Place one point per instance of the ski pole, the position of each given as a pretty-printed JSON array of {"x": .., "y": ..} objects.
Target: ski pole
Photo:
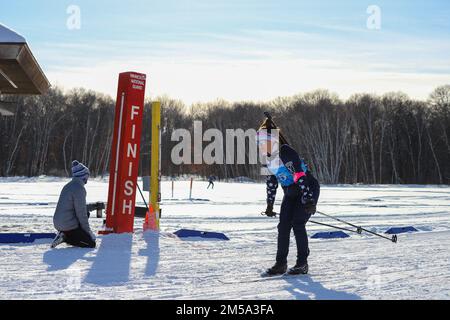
[
  {"x": 331, "y": 226},
  {"x": 360, "y": 229},
  {"x": 320, "y": 223},
  {"x": 143, "y": 198}
]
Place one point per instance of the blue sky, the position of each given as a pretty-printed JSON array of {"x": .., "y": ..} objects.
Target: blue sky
[{"x": 239, "y": 50}]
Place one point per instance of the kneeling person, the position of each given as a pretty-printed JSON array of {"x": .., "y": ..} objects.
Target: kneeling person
[{"x": 71, "y": 217}]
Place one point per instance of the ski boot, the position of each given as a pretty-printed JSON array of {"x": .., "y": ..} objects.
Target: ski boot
[
  {"x": 277, "y": 269},
  {"x": 299, "y": 268},
  {"x": 58, "y": 240}
]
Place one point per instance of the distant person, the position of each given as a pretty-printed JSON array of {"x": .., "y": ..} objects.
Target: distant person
[
  {"x": 301, "y": 193},
  {"x": 71, "y": 218},
  {"x": 211, "y": 180}
]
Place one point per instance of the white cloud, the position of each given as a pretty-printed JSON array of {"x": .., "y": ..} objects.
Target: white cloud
[
  {"x": 200, "y": 80},
  {"x": 255, "y": 64}
]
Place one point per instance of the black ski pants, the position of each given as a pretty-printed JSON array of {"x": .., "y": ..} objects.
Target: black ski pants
[
  {"x": 292, "y": 217},
  {"x": 79, "y": 238}
]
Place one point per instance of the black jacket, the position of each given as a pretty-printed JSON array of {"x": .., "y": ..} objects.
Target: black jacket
[{"x": 293, "y": 174}]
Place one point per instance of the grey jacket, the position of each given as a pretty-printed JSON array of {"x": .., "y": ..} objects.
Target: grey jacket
[{"x": 71, "y": 211}]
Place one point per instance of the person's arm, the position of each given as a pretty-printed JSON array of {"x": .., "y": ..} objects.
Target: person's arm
[
  {"x": 271, "y": 190},
  {"x": 314, "y": 188},
  {"x": 79, "y": 200},
  {"x": 311, "y": 197}
]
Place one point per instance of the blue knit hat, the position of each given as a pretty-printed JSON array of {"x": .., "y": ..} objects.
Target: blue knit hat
[{"x": 79, "y": 170}]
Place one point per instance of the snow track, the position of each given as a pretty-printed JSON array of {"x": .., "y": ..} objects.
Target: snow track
[{"x": 151, "y": 266}]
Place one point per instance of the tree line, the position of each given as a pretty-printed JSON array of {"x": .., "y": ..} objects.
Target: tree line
[{"x": 365, "y": 139}]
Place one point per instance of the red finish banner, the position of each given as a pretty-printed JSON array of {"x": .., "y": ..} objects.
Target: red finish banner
[{"x": 125, "y": 152}]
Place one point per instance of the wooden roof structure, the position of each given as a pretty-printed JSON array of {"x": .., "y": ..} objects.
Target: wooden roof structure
[{"x": 20, "y": 73}]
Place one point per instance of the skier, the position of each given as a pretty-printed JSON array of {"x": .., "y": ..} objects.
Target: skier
[
  {"x": 211, "y": 180},
  {"x": 301, "y": 194},
  {"x": 71, "y": 217}
]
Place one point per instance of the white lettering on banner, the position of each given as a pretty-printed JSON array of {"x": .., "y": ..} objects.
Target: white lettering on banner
[
  {"x": 129, "y": 188},
  {"x": 131, "y": 150},
  {"x": 127, "y": 206},
  {"x": 137, "y": 82},
  {"x": 133, "y": 131},
  {"x": 137, "y": 76},
  {"x": 134, "y": 112},
  {"x": 130, "y": 169}
]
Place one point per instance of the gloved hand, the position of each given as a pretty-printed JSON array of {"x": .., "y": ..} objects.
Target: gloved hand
[
  {"x": 269, "y": 211},
  {"x": 91, "y": 207},
  {"x": 310, "y": 206},
  {"x": 307, "y": 197},
  {"x": 309, "y": 203}
]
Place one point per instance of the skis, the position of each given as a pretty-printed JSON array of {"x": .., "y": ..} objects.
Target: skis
[{"x": 263, "y": 277}]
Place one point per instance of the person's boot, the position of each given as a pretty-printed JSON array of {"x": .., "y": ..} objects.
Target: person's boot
[
  {"x": 299, "y": 268},
  {"x": 277, "y": 269},
  {"x": 58, "y": 240}
]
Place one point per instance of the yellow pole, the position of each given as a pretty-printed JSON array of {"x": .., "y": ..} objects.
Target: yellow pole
[{"x": 155, "y": 175}]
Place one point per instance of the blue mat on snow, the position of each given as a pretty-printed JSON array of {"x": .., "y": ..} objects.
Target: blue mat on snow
[
  {"x": 330, "y": 235},
  {"x": 185, "y": 233},
  {"x": 24, "y": 237},
  {"x": 401, "y": 230}
]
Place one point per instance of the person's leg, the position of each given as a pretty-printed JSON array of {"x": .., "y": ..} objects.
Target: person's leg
[
  {"x": 79, "y": 238},
  {"x": 301, "y": 237},
  {"x": 284, "y": 230},
  {"x": 58, "y": 240}
]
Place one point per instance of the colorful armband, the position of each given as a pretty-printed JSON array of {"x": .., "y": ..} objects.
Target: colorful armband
[{"x": 298, "y": 176}]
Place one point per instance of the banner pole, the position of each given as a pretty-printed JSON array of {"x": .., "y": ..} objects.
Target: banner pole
[{"x": 155, "y": 183}]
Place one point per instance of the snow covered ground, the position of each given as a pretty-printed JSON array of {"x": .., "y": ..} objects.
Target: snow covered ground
[{"x": 152, "y": 266}]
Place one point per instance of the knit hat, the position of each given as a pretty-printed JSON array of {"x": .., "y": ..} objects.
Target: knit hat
[
  {"x": 267, "y": 130},
  {"x": 79, "y": 170}
]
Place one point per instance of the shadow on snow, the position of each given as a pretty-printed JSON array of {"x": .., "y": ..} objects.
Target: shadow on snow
[
  {"x": 152, "y": 252},
  {"x": 61, "y": 259},
  {"x": 112, "y": 262},
  {"x": 304, "y": 288}
]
